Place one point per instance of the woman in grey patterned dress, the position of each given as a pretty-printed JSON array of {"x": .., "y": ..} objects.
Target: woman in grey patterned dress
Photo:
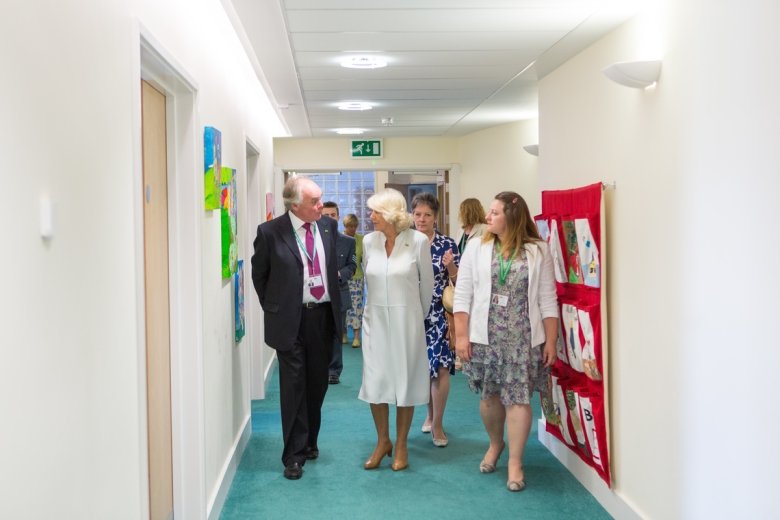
[{"x": 506, "y": 326}]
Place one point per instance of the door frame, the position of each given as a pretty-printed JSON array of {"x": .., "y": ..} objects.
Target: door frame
[{"x": 157, "y": 66}]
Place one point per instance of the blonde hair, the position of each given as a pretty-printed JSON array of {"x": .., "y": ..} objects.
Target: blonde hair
[
  {"x": 391, "y": 204},
  {"x": 350, "y": 220},
  {"x": 471, "y": 212}
]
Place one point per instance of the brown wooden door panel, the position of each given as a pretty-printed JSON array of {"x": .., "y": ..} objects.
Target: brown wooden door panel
[{"x": 158, "y": 351}]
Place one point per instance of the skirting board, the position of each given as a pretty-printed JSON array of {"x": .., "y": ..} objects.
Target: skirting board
[
  {"x": 217, "y": 500},
  {"x": 268, "y": 372},
  {"x": 609, "y": 500}
]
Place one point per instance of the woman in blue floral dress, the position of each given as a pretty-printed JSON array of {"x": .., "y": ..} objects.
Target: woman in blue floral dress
[
  {"x": 506, "y": 326},
  {"x": 441, "y": 358}
]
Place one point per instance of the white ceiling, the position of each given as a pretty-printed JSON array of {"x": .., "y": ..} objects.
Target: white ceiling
[{"x": 454, "y": 66}]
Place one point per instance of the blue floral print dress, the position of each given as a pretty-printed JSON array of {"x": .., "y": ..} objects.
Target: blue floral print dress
[
  {"x": 436, "y": 329},
  {"x": 510, "y": 367}
]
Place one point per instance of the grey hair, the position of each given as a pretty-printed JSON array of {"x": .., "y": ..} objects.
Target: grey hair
[
  {"x": 292, "y": 193},
  {"x": 391, "y": 204}
]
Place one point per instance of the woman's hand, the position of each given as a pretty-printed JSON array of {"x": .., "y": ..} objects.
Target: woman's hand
[
  {"x": 463, "y": 348},
  {"x": 448, "y": 263},
  {"x": 550, "y": 353},
  {"x": 447, "y": 258}
]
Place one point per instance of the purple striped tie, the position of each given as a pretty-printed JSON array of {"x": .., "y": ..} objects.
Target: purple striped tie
[{"x": 314, "y": 262}]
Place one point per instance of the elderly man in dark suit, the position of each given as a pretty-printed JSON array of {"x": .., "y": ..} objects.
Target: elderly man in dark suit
[
  {"x": 346, "y": 265},
  {"x": 294, "y": 274}
]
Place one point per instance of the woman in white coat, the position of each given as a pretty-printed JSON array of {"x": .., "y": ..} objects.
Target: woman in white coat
[
  {"x": 398, "y": 270},
  {"x": 506, "y": 326}
]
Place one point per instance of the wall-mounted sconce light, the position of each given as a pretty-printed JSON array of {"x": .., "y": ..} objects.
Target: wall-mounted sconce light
[
  {"x": 636, "y": 74},
  {"x": 533, "y": 149}
]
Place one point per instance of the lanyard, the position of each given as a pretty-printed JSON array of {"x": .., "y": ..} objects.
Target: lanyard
[
  {"x": 504, "y": 266},
  {"x": 305, "y": 252}
]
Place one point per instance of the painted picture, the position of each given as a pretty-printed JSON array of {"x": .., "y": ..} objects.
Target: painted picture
[
  {"x": 563, "y": 412},
  {"x": 229, "y": 222},
  {"x": 269, "y": 206},
  {"x": 212, "y": 165},
  {"x": 544, "y": 229},
  {"x": 557, "y": 252},
  {"x": 589, "y": 253},
  {"x": 590, "y": 428},
  {"x": 560, "y": 345},
  {"x": 571, "y": 328},
  {"x": 238, "y": 284},
  {"x": 572, "y": 252},
  {"x": 589, "y": 365},
  {"x": 573, "y": 402}
]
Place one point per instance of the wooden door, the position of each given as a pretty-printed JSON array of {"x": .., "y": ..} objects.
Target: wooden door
[
  {"x": 443, "y": 194},
  {"x": 158, "y": 350}
]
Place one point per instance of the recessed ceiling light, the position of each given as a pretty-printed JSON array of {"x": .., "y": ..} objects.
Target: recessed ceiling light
[
  {"x": 349, "y": 131},
  {"x": 355, "y": 105},
  {"x": 363, "y": 62}
]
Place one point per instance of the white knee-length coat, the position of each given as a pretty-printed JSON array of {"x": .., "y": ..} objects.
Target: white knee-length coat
[{"x": 399, "y": 289}]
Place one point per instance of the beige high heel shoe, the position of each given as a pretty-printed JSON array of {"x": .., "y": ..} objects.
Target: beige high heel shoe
[
  {"x": 487, "y": 467},
  {"x": 373, "y": 463},
  {"x": 400, "y": 465},
  {"x": 515, "y": 485}
]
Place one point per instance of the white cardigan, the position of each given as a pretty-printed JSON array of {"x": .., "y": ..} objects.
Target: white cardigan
[
  {"x": 472, "y": 292},
  {"x": 477, "y": 230}
]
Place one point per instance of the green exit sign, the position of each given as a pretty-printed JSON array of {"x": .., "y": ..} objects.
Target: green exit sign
[{"x": 366, "y": 148}]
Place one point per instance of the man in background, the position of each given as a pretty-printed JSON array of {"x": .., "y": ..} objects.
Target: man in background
[{"x": 346, "y": 265}]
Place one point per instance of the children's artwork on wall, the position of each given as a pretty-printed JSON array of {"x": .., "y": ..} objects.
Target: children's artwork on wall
[
  {"x": 589, "y": 253},
  {"x": 574, "y": 273},
  {"x": 238, "y": 280},
  {"x": 212, "y": 166},
  {"x": 589, "y": 361},
  {"x": 563, "y": 412},
  {"x": 557, "y": 252},
  {"x": 588, "y": 419},
  {"x": 573, "y": 402},
  {"x": 575, "y": 407},
  {"x": 544, "y": 229},
  {"x": 269, "y": 206},
  {"x": 571, "y": 327},
  {"x": 560, "y": 344},
  {"x": 229, "y": 222}
]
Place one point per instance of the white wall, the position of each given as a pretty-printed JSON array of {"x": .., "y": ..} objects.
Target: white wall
[
  {"x": 493, "y": 161},
  {"x": 71, "y": 364},
  {"x": 691, "y": 253}
]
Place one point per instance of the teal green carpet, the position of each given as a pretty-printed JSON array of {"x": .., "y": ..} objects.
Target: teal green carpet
[{"x": 440, "y": 483}]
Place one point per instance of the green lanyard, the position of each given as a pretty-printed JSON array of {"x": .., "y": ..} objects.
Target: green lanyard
[
  {"x": 504, "y": 266},
  {"x": 303, "y": 247}
]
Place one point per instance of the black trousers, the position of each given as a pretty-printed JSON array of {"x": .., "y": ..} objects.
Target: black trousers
[{"x": 303, "y": 382}]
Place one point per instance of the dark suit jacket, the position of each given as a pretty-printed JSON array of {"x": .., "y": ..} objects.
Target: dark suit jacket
[
  {"x": 346, "y": 265},
  {"x": 277, "y": 274}
]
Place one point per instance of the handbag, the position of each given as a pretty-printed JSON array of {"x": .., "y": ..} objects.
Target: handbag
[{"x": 448, "y": 297}]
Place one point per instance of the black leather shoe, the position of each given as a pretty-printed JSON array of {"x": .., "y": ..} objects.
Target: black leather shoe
[
  {"x": 312, "y": 453},
  {"x": 333, "y": 379},
  {"x": 293, "y": 471}
]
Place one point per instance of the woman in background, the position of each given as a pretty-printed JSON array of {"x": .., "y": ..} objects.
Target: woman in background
[
  {"x": 399, "y": 283},
  {"x": 506, "y": 326},
  {"x": 355, "y": 311},
  {"x": 472, "y": 221},
  {"x": 441, "y": 359}
]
